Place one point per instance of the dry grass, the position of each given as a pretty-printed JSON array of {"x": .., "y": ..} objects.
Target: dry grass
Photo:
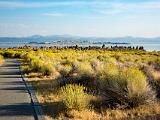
[
  {"x": 87, "y": 68},
  {"x": 145, "y": 112},
  {"x": 156, "y": 75},
  {"x": 54, "y": 108}
]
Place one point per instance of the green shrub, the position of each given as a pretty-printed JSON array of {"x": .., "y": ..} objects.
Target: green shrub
[
  {"x": 83, "y": 68},
  {"x": 86, "y": 75},
  {"x": 108, "y": 71},
  {"x": 111, "y": 69},
  {"x": 65, "y": 70},
  {"x": 28, "y": 57},
  {"x": 12, "y": 54},
  {"x": 136, "y": 81},
  {"x": 107, "y": 59},
  {"x": 47, "y": 69},
  {"x": 153, "y": 78},
  {"x": 1, "y": 59},
  {"x": 157, "y": 61},
  {"x": 25, "y": 68},
  {"x": 74, "y": 97},
  {"x": 36, "y": 65},
  {"x": 128, "y": 89}
]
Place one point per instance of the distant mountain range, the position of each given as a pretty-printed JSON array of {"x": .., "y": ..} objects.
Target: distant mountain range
[{"x": 39, "y": 38}]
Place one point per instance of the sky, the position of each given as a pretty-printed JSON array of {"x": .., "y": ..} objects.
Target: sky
[{"x": 101, "y": 18}]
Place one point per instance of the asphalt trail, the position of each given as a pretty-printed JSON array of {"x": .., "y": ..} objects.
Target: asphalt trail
[{"x": 15, "y": 102}]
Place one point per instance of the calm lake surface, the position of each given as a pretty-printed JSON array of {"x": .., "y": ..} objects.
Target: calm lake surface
[{"x": 149, "y": 46}]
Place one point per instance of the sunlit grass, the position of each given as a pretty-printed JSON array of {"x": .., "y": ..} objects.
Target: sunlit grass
[
  {"x": 118, "y": 84},
  {"x": 1, "y": 59},
  {"x": 74, "y": 97}
]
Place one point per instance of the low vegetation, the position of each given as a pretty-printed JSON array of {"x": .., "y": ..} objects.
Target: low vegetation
[
  {"x": 1, "y": 59},
  {"x": 93, "y": 83},
  {"x": 74, "y": 97},
  {"x": 127, "y": 89}
]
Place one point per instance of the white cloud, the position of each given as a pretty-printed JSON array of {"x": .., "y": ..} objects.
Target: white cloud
[
  {"x": 109, "y": 12},
  {"x": 55, "y": 14},
  {"x": 120, "y": 7},
  {"x": 9, "y": 4},
  {"x": 143, "y": 5},
  {"x": 101, "y": 6},
  {"x": 23, "y": 29}
]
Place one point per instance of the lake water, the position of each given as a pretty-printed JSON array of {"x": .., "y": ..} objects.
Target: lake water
[{"x": 149, "y": 46}]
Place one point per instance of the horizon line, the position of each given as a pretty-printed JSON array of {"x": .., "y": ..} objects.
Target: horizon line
[{"x": 78, "y": 36}]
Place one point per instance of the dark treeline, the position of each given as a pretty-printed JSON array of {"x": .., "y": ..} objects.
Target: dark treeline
[{"x": 76, "y": 47}]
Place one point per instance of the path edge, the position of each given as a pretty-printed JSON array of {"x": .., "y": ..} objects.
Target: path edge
[{"x": 39, "y": 114}]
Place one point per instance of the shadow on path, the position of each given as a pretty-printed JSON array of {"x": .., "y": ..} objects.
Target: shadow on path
[
  {"x": 15, "y": 101},
  {"x": 23, "y": 109}
]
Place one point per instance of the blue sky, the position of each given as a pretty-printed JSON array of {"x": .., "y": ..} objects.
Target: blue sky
[{"x": 102, "y": 18}]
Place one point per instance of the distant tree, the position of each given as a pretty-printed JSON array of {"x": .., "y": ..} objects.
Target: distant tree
[
  {"x": 103, "y": 46},
  {"x": 76, "y": 46}
]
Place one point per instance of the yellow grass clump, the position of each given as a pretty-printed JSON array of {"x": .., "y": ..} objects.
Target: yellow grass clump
[
  {"x": 74, "y": 97},
  {"x": 66, "y": 79},
  {"x": 1, "y": 59}
]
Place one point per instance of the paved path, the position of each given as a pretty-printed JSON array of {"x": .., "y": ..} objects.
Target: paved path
[{"x": 15, "y": 102}]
